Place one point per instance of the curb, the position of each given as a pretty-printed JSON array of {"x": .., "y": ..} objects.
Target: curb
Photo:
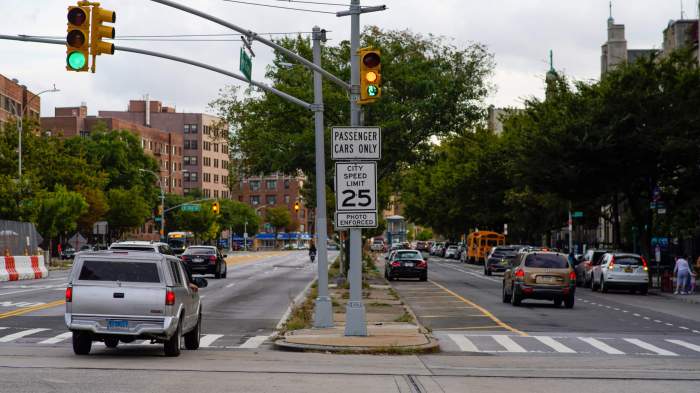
[
  {"x": 431, "y": 347},
  {"x": 682, "y": 298}
]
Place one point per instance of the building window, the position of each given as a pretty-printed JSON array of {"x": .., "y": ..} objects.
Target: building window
[
  {"x": 287, "y": 199},
  {"x": 216, "y": 163},
  {"x": 286, "y": 184},
  {"x": 271, "y": 184},
  {"x": 255, "y": 200},
  {"x": 216, "y": 178},
  {"x": 193, "y": 176},
  {"x": 271, "y": 200},
  {"x": 224, "y": 148},
  {"x": 216, "y": 148},
  {"x": 186, "y": 190},
  {"x": 255, "y": 185},
  {"x": 216, "y": 193},
  {"x": 186, "y": 129},
  {"x": 193, "y": 128}
]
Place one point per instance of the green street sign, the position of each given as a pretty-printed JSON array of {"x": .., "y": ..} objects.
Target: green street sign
[
  {"x": 246, "y": 65},
  {"x": 577, "y": 215},
  {"x": 191, "y": 208}
]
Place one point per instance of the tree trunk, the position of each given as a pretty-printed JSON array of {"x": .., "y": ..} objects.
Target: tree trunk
[{"x": 616, "y": 221}]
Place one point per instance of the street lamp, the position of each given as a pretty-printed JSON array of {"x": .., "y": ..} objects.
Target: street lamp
[
  {"x": 20, "y": 125},
  {"x": 162, "y": 201}
]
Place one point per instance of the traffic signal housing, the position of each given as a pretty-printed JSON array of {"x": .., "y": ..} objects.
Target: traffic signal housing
[
  {"x": 78, "y": 39},
  {"x": 100, "y": 32},
  {"x": 297, "y": 206},
  {"x": 215, "y": 207},
  {"x": 370, "y": 75}
]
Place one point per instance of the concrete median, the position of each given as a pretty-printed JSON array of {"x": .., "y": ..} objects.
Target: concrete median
[{"x": 14, "y": 268}]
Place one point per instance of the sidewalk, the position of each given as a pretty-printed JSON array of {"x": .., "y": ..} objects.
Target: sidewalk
[
  {"x": 691, "y": 299},
  {"x": 391, "y": 325}
]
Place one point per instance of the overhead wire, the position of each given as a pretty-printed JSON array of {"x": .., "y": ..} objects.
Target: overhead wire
[
  {"x": 314, "y": 2},
  {"x": 280, "y": 7}
]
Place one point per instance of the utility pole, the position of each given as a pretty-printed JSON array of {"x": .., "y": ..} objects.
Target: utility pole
[{"x": 323, "y": 316}]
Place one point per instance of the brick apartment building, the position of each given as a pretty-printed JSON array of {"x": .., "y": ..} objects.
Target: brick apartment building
[
  {"x": 165, "y": 147},
  {"x": 17, "y": 100},
  {"x": 205, "y": 142}
]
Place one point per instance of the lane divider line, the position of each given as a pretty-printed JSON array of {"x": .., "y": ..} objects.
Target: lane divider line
[
  {"x": 483, "y": 310},
  {"x": 26, "y": 310}
]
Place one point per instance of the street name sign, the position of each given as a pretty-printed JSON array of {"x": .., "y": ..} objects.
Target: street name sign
[
  {"x": 191, "y": 208},
  {"x": 356, "y": 143},
  {"x": 344, "y": 220},
  {"x": 246, "y": 64},
  {"x": 356, "y": 186}
]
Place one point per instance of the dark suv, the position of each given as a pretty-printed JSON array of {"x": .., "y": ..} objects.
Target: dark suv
[{"x": 500, "y": 260}]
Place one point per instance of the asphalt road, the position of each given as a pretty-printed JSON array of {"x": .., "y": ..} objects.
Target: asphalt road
[
  {"x": 464, "y": 309},
  {"x": 241, "y": 311}
]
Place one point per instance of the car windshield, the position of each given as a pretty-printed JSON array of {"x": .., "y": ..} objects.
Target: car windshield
[
  {"x": 199, "y": 251},
  {"x": 119, "y": 271},
  {"x": 546, "y": 261},
  {"x": 628, "y": 260},
  {"x": 402, "y": 255}
]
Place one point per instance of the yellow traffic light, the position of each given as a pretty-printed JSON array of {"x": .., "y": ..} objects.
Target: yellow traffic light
[
  {"x": 100, "y": 16},
  {"x": 216, "y": 208},
  {"x": 370, "y": 75},
  {"x": 78, "y": 39},
  {"x": 297, "y": 206}
]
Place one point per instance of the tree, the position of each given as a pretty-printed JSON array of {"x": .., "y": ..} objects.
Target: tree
[
  {"x": 278, "y": 217},
  {"x": 235, "y": 214},
  {"x": 127, "y": 209},
  {"x": 58, "y": 211},
  {"x": 424, "y": 235}
]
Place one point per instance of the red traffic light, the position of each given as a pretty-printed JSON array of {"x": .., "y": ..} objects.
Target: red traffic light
[
  {"x": 76, "y": 16},
  {"x": 371, "y": 60},
  {"x": 76, "y": 38}
]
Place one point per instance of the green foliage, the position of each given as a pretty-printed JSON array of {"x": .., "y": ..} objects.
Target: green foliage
[
  {"x": 234, "y": 215},
  {"x": 424, "y": 235},
  {"x": 57, "y": 212},
  {"x": 127, "y": 209},
  {"x": 279, "y": 217}
]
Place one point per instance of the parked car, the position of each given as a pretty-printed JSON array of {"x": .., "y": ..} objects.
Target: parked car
[
  {"x": 140, "y": 245},
  {"x": 422, "y": 246},
  {"x": 205, "y": 260},
  {"x": 623, "y": 271},
  {"x": 122, "y": 296},
  {"x": 438, "y": 249},
  {"x": 406, "y": 264},
  {"x": 584, "y": 269},
  {"x": 68, "y": 253},
  {"x": 540, "y": 275},
  {"x": 500, "y": 259},
  {"x": 378, "y": 245},
  {"x": 451, "y": 252}
]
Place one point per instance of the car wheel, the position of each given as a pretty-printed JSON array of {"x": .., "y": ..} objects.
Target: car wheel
[
  {"x": 586, "y": 283},
  {"x": 111, "y": 342},
  {"x": 603, "y": 287},
  {"x": 643, "y": 290},
  {"x": 424, "y": 276},
  {"x": 558, "y": 302},
  {"x": 515, "y": 299},
  {"x": 172, "y": 346},
  {"x": 217, "y": 273},
  {"x": 506, "y": 298},
  {"x": 192, "y": 337},
  {"x": 225, "y": 271},
  {"x": 569, "y": 301},
  {"x": 386, "y": 275},
  {"x": 594, "y": 287},
  {"x": 82, "y": 342}
]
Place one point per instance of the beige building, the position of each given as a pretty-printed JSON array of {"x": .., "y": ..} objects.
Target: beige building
[{"x": 205, "y": 158}]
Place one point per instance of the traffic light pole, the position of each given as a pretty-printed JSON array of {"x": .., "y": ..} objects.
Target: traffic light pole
[{"x": 323, "y": 315}]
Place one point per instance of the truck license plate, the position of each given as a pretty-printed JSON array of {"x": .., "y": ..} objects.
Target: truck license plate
[{"x": 117, "y": 324}]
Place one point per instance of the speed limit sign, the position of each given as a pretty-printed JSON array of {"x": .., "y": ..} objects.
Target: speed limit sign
[{"x": 356, "y": 186}]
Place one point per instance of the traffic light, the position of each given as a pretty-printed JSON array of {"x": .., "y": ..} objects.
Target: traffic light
[
  {"x": 296, "y": 206},
  {"x": 100, "y": 16},
  {"x": 370, "y": 75},
  {"x": 78, "y": 39},
  {"x": 215, "y": 207}
]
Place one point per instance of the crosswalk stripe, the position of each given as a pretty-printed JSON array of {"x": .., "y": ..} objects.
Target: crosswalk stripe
[
  {"x": 649, "y": 347},
  {"x": 554, "y": 344},
  {"x": 57, "y": 339},
  {"x": 509, "y": 344},
  {"x": 3, "y": 327},
  {"x": 464, "y": 344},
  {"x": 601, "y": 346},
  {"x": 208, "y": 339},
  {"x": 254, "y": 342},
  {"x": 23, "y": 333},
  {"x": 685, "y": 344}
]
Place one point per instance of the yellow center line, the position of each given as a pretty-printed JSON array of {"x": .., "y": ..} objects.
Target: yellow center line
[
  {"x": 29, "y": 309},
  {"x": 483, "y": 310}
]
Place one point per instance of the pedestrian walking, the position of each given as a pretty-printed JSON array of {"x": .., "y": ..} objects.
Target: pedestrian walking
[{"x": 682, "y": 272}]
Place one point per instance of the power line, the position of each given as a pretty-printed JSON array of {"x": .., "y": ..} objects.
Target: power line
[
  {"x": 280, "y": 7},
  {"x": 314, "y": 2}
]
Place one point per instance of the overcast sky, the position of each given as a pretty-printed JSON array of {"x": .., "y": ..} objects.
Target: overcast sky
[{"x": 518, "y": 32}]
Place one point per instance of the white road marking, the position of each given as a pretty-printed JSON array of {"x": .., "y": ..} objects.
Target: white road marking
[
  {"x": 685, "y": 344},
  {"x": 696, "y": 331},
  {"x": 230, "y": 285},
  {"x": 23, "y": 333},
  {"x": 668, "y": 324},
  {"x": 657, "y": 321},
  {"x": 554, "y": 344},
  {"x": 616, "y": 309},
  {"x": 636, "y": 315},
  {"x": 57, "y": 339},
  {"x": 647, "y": 318},
  {"x": 625, "y": 311},
  {"x": 3, "y": 327},
  {"x": 208, "y": 339},
  {"x": 464, "y": 344},
  {"x": 649, "y": 347},
  {"x": 509, "y": 344},
  {"x": 683, "y": 327},
  {"x": 601, "y": 346},
  {"x": 254, "y": 342}
]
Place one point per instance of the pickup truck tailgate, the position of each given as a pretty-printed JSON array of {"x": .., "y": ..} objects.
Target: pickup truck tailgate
[{"x": 124, "y": 300}]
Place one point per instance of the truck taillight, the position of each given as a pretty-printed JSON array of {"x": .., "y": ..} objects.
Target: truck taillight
[
  {"x": 520, "y": 273},
  {"x": 69, "y": 294},
  {"x": 169, "y": 297}
]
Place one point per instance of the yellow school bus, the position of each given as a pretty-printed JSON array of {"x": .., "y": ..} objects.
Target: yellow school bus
[{"x": 480, "y": 243}]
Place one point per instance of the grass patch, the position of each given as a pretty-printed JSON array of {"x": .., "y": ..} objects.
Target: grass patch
[
  {"x": 406, "y": 317},
  {"x": 393, "y": 293},
  {"x": 301, "y": 316},
  {"x": 378, "y": 304}
]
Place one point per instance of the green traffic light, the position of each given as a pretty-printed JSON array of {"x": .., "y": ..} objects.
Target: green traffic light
[
  {"x": 77, "y": 60},
  {"x": 372, "y": 90}
]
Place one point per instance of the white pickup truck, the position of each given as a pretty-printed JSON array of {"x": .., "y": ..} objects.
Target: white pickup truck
[{"x": 121, "y": 296}]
